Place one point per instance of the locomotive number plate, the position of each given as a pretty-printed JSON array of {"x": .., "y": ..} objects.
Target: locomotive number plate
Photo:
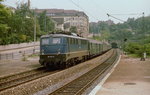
[{"x": 50, "y": 56}]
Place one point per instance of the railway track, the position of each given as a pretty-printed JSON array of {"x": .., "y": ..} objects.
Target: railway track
[
  {"x": 35, "y": 81},
  {"x": 79, "y": 85},
  {"x": 24, "y": 77}
]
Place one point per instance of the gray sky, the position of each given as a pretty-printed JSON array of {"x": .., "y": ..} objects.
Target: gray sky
[{"x": 95, "y": 9}]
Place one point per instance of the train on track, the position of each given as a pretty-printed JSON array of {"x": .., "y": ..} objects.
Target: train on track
[{"x": 63, "y": 50}]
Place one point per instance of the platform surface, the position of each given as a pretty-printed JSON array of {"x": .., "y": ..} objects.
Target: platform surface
[
  {"x": 130, "y": 77},
  {"x": 10, "y": 67}
]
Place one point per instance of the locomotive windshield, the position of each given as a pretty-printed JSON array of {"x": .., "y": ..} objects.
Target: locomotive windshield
[
  {"x": 56, "y": 41},
  {"x": 49, "y": 41},
  {"x": 52, "y": 45},
  {"x": 45, "y": 41}
]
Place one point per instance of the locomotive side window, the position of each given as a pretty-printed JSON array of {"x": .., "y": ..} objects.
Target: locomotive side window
[
  {"x": 45, "y": 41},
  {"x": 56, "y": 40}
]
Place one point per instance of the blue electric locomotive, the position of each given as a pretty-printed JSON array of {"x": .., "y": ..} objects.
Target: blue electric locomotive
[{"x": 62, "y": 50}]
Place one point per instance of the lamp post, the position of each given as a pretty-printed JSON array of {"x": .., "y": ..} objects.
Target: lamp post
[
  {"x": 34, "y": 28},
  {"x": 34, "y": 32}
]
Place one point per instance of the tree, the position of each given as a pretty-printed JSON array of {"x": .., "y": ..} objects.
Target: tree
[
  {"x": 73, "y": 29},
  {"x": 22, "y": 24},
  {"x": 46, "y": 23},
  {"x": 18, "y": 26},
  {"x": 5, "y": 14}
]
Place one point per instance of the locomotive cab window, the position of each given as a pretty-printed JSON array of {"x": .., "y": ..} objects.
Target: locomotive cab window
[
  {"x": 56, "y": 40},
  {"x": 45, "y": 41}
]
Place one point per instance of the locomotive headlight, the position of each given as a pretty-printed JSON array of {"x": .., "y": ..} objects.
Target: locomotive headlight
[
  {"x": 58, "y": 51},
  {"x": 42, "y": 51}
]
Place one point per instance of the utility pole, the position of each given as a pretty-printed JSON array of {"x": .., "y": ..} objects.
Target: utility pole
[
  {"x": 34, "y": 27},
  {"x": 143, "y": 58},
  {"x": 45, "y": 24},
  {"x": 143, "y": 24},
  {"x": 29, "y": 4},
  {"x": 34, "y": 31}
]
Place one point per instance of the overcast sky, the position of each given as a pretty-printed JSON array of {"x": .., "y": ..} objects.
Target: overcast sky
[{"x": 95, "y": 9}]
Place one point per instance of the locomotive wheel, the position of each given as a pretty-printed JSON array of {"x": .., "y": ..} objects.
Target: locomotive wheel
[
  {"x": 73, "y": 62},
  {"x": 67, "y": 64},
  {"x": 49, "y": 67},
  {"x": 64, "y": 65}
]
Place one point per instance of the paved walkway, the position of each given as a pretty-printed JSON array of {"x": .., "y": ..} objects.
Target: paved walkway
[
  {"x": 9, "y": 67},
  {"x": 130, "y": 77}
]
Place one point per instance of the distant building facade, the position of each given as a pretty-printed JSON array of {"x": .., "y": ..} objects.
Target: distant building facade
[
  {"x": 65, "y": 19},
  {"x": 108, "y": 22}
]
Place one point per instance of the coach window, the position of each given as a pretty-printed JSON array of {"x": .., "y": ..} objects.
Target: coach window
[
  {"x": 79, "y": 42},
  {"x": 70, "y": 40},
  {"x": 73, "y": 41},
  {"x": 76, "y": 41},
  {"x": 83, "y": 42}
]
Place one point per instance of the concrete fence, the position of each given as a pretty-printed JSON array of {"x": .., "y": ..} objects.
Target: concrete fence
[
  {"x": 17, "y": 46},
  {"x": 18, "y": 51}
]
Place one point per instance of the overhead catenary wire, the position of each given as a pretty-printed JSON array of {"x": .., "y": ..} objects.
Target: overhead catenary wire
[
  {"x": 77, "y": 5},
  {"x": 115, "y": 17},
  {"x": 129, "y": 14},
  {"x": 123, "y": 14}
]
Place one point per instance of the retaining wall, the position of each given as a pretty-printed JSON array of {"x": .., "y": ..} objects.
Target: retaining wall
[
  {"x": 16, "y": 46},
  {"x": 18, "y": 51}
]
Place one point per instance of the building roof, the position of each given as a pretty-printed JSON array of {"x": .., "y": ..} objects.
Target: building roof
[
  {"x": 59, "y": 20},
  {"x": 61, "y": 12}
]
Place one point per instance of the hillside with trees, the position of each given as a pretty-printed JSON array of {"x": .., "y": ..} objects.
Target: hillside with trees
[{"x": 133, "y": 36}]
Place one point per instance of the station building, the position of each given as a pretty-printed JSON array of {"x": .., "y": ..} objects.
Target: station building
[{"x": 65, "y": 19}]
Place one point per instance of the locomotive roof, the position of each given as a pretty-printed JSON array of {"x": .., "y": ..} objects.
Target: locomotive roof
[{"x": 62, "y": 35}]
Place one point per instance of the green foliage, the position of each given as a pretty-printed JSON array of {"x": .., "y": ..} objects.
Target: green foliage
[
  {"x": 138, "y": 49},
  {"x": 98, "y": 27},
  {"x": 147, "y": 48},
  {"x": 132, "y": 47},
  {"x": 133, "y": 35},
  {"x": 46, "y": 24},
  {"x": 73, "y": 29},
  {"x": 5, "y": 13},
  {"x": 22, "y": 24},
  {"x": 18, "y": 26},
  {"x": 104, "y": 35},
  {"x": 141, "y": 36}
]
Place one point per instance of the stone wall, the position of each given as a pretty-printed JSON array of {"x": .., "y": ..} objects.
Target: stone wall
[
  {"x": 18, "y": 51},
  {"x": 16, "y": 46}
]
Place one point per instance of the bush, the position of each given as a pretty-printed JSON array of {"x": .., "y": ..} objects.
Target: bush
[{"x": 138, "y": 49}]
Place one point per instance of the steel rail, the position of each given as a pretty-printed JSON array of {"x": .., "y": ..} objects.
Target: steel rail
[
  {"x": 79, "y": 85},
  {"x": 24, "y": 77}
]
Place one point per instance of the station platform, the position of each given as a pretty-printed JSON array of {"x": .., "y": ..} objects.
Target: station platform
[
  {"x": 10, "y": 67},
  {"x": 130, "y": 77}
]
